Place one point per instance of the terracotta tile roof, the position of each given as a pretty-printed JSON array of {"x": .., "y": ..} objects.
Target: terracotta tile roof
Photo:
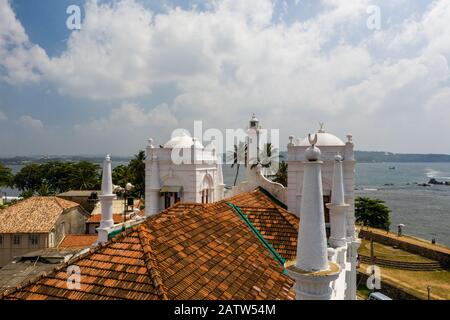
[
  {"x": 277, "y": 225},
  {"x": 33, "y": 215},
  {"x": 78, "y": 241},
  {"x": 189, "y": 251}
]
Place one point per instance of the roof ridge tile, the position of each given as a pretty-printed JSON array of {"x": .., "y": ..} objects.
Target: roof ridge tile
[{"x": 152, "y": 263}]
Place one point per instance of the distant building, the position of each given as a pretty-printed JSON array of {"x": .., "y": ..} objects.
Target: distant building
[
  {"x": 118, "y": 208},
  {"x": 31, "y": 265},
  {"x": 86, "y": 198},
  {"x": 197, "y": 178},
  {"x": 37, "y": 223}
]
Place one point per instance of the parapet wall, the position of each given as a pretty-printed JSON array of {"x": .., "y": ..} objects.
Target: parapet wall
[{"x": 409, "y": 244}]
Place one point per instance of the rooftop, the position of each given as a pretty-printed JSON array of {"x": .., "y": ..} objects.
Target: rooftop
[
  {"x": 33, "y": 215},
  {"x": 71, "y": 241},
  {"x": 189, "y": 251},
  {"x": 26, "y": 267},
  {"x": 78, "y": 193}
]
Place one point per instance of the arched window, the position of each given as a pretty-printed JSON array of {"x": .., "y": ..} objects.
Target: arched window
[{"x": 207, "y": 189}]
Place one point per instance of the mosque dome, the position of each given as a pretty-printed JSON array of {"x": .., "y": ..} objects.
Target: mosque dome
[
  {"x": 182, "y": 141},
  {"x": 324, "y": 139}
]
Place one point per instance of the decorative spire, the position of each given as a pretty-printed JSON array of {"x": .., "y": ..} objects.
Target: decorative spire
[
  {"x": 321, "y": 129},
  {"x": 312, "y": 153},
  {"x": 291, "y": 141},
  {"x": 152, "y": 206},
  {"x": 106, "y": 202},
  {"x": 150, "y": 143},
  {"x": 338, "y": 207},
  {"x": 312, "y": 271}
]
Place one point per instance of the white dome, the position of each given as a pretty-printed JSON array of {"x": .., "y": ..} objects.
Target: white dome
[
  {"x": 182, "y": 141},
  {"x": 323, "y": 140}
]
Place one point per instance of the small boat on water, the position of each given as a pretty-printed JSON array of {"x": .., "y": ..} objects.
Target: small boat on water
[{"x": 391, "y": 168}]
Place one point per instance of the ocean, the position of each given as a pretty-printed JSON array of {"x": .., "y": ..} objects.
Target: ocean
[{"x": 425, "y": 211}]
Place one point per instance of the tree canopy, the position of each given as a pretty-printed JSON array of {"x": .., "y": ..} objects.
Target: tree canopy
[
  {"x": 56, "y": 177},
  {"x": 133, "y": 173},
  {"x": 372, "y": 212},
  {"x": 6, "y": 176}
]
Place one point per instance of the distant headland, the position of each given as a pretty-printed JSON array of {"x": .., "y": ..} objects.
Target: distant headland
[
  {"x": 360, "y": 156},
  {"x": 380, "y": 156}
]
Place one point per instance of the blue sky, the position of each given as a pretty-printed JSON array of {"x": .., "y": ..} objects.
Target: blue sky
[{"x": 140, "y": 69}]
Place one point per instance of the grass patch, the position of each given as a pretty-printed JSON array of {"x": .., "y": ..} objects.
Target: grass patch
[
  {"x": 386, "y": 252},
  {"x": 416, "y": 282}
]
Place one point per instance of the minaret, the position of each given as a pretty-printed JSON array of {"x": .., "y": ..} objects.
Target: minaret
[
  {"x": 220, "y": 185},
  {"x": 152, "y": 205},
  {"x": 338, "y": 207},
  {"x": 106, "y": 201},
  {"x": 312, "y": 271}
]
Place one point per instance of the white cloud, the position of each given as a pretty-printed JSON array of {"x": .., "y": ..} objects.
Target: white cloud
[
  {"x": 129, "y": 126},
  {"x": 21, "y": 59},
  {"x": 29, "y": 122},
  {"x": 232, "y": 60}
]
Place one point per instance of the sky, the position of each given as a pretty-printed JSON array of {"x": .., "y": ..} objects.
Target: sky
[{"x": 136, "y": 69}]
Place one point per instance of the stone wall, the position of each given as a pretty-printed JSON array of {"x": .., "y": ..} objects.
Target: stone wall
[
  {"x": 402, "y": 243},
  {"x": 390, "y": 290}
]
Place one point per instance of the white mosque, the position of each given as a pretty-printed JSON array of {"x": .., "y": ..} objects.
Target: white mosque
[{"x": 320, "y": 192}]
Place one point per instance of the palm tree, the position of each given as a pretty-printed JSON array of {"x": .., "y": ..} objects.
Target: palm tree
[
  {"x": 121, "y": 175},
  {"x": 85, "y": 176},
  {"x": 281, "y": 175},
  {"x": 137, "y": 172},
  {"x": 268, "y": 158},
  {"x": 238, "y": 156},
  {"x": 44, "y": 190}
]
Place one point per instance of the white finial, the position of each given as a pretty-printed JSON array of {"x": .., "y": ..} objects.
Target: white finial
[
  {"x": 108, "y": 158},
  {"x": 312, "y": 153},
  {"x": 150, "y": 143},
  {"x": 338, "y": 157},
  {"x": 349, "y": 138},
  {"x": 321, "y": 129},
  {"x": 313, "y": 141}
]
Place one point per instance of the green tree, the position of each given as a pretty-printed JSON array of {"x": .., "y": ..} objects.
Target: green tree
[
  {"x": 281, "y": 175},
  {"x": 44, "y": 190},
  {"x": 372, "y": 212},
  {"x": 121, "y": 175},
  {"x": 137, "y": 171},
  {"x": 57, "y": 176},
  {"x": 84, "y": 175},
  {"x": 29, "y": 178},
  {"x": 6, "y": 176},
  {"x": 238, "y": 156},
  {"x": 269, "y": 157}
]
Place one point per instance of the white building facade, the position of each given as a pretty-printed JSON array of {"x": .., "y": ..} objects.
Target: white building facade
[
  {"x": 181, "y": 170},
  {"x": 337, "y": 181}
]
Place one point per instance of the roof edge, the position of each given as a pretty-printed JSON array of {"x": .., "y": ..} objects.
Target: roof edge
[
  {"x": 272, "y": 197},
  {"x": 260, "y": 237}
]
